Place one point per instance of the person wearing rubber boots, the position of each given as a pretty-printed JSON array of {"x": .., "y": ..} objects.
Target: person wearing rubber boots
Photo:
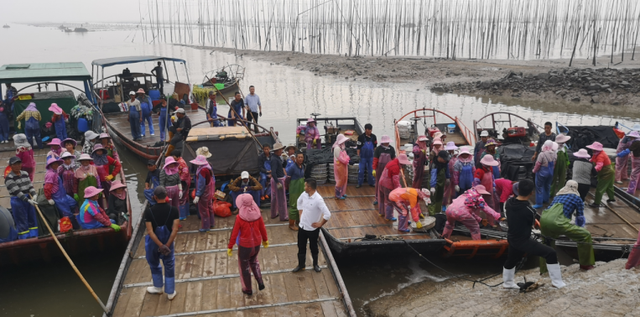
[
  {"x": 440, "y": 177},
  {"x": 390, "y": 180},
  {"x": 466, "y": 210},
  {"x": 606, "y": 174},
  {"x": 185, "y": 177},
  {"x": 59, "y": 120},
  {"x": 408, "y": 197},
  {"x": 162, "y": 223},
  {"x": 313, "y": 215},
  {"x": 420, "y": 159},
  {"x": 634, "y": 148},
  {"x": 543, "y": 169},
  {"x": 521, "y": 218},
  {"x": 367, "y": 142},
  {"x": 382, "y": 155},
  {"x": 463, "y": 171},
  {"x": 340, "y": 166},
  {"x": 146, "y": 106},
  {"x": 135, "y": 116},
  {"x": 205, "y": 189},
  {"x": 278, "y": 194},
  {"x": 54, "y": 190},
  {"x": 555, "y": 221},
  {"x": 23, "y": 199},
  {"x": 562, "y": 163}
]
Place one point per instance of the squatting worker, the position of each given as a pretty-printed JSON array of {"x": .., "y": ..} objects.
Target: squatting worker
[
  {"x": 254, "y": 107},
  {"x": 162, "y": 221},
  {"x": 313, "y": 215},
  {"x": 521, "y": 218},
  {"x": 544, "y": 136},
  {"x": 180, "y": 130}
]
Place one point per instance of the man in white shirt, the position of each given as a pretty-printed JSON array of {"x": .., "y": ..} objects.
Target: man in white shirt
[
  {"x": 313, "y": 215},
  {"x": 254, "y": 107}
]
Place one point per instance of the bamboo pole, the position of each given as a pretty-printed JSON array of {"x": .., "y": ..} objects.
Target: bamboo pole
[{"x": 95, "y": 296}]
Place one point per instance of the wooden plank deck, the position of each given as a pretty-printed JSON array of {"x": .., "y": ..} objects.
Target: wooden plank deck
[
  {"x": 208, "y": 283},
  {"x": 119, "y": 121}
]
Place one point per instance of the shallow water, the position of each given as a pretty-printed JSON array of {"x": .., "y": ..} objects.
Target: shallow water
[{"x": 52, "y": 289}]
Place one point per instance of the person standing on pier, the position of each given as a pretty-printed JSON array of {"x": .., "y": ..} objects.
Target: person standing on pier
[
  {"x": 205, "y": 188},
  {"x": 296, "y": 188},
  {"x": 245, "y": 184},
  {"x": 479, "y": 148},
  {"x": 152, "y": 181},
  {"x": 547, "y": 135},
  {"x": 366, "y": 144},
  {"x": 22, "y": 206},
  {"x": 162, "y": 222},
  {"x": 185, "y": 177},
  {"x": 146, "y": 105},
  {"x": 381, "y": 156},
  {"x": 420, "y": 159},
  {"x": 313, "y": 215},
  {"x": 606, "y": 174},
  {"x": 249, "y": 231},
  {"x": 543, "y": 169},
  {"x": 135, "y": 117},
  {"x": 340, "y": 166},
  {"x": 254, "y": 107},
  {"x": 635, "y": 161},
  {"x": 278, "y": 194},
  {"x": 170, "y": 180},
  {"x": 562, "y": 163}
]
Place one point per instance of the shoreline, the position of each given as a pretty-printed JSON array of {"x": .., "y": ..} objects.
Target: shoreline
[{"x": 494, "y": 79}]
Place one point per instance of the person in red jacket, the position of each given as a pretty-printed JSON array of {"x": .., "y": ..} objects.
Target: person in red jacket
[
  {"x": 504, "y": 189},
  {"x": 390, "y": 180},
  {"x": 249, "y": 231}
]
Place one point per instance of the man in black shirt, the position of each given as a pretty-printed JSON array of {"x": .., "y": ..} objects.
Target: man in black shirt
[
  {"x": 157, "y": 71},
  {"x": 162, "y": 221},
  {"x": 521, "y": 217},
  {"x": 180, "y": 130},
  {"x": 546, "y": 135},
  {"x": 152, "y": 181},
  {"x": 278, "y": 195}
]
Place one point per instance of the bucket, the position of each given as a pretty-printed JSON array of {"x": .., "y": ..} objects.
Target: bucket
[
  {"x": 451, "y": 128},
  {"x": 83, "y": 125}
]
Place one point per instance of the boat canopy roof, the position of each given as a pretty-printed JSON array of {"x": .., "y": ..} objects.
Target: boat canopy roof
[
  {"x": 41, "y": 72},
  {"x": 107, "y": 62}
]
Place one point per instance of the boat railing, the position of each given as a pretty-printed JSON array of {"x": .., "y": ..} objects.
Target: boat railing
[
  {"x": 432, "y": 113},
  {"x": 533, "y": 128}
]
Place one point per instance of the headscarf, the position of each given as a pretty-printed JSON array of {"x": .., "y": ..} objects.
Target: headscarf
[
  {"x": 547, "y": 146},
  {"x": 122, "y": 195},
  {"x": 248, "y": 210},
  {"x": 99, "y": 160},
  {"x": 570, "y": 188},
  {"x": 171, "y": 168},
  {"x": 473, "y": 199},
  {"x": 83, "y": 171},
  {"x": 445, "y": 156},
  {"x": 422, "y": 145},
  {"x": 31, "y": 107},
  {"x": 57, "y": 151}
]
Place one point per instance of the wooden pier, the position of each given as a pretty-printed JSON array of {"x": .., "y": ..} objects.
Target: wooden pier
[{"x": 208, "y": 284}]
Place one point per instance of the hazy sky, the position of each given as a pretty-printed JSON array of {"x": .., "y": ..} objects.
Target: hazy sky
[{"x": 69, "y": 10}]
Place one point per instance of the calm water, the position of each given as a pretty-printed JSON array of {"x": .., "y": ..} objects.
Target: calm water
[{"x": 52, "y": 289}]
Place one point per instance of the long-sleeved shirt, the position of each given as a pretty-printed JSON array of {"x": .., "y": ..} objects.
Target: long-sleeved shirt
[
  {"x": 203, "y": 179},
  {"x": 19, "y": 185},
  {"x": 28, "y": 114},
  {"x": 312, "y": 208},
  {"x": 212, "y": 109},
  {"x": 183, "y": 123},
  {"x": 477, "y": 150},
  {"x": 277, "y": 169},
  {"x": 253, "y": 184},
  {"x": 295, "y": 172},
  {"x": 504, "y": 187},
  {"x": 544, "y": 137},
  {"x": 169, "y": 180},
  {"x": 582, "y": 171},
  {"x": 520, "y": 217},
  {"x": 261, "y": 160},
  {"x": 183, "y": 170},
  {"x": 252, "y": 101},
  {"x": 135, "y": 103},
  {"x": 571, "y": 203},
  {"x": 381, "y": 149},
  {"x": 600, "y": 160}
]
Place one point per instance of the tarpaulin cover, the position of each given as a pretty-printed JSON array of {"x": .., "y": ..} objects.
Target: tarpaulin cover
[
  {"x": 515, "y": 161},
  {"x": 43, "y": 100},
  {"x": 581, "y": 136},
  {"x": 229, "y": 156},
  {"x": 323, "y": 156},
  {"x": 6, "y": 222}
]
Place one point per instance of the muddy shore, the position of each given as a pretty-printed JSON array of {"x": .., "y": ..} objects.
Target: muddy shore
[
  {"x": 548, "y": 85},
  {"x": 607, "y": 290}
]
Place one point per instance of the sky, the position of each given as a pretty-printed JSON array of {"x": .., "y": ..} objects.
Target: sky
[{"x": 70, "y": 11}]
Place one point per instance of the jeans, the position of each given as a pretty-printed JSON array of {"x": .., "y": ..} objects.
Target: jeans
[
  {"x": 366, "y": 164},
  {"x": 134, "y": 122}
]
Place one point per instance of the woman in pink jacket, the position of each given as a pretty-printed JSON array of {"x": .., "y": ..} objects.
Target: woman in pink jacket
[{"x": 466, "y": 209}]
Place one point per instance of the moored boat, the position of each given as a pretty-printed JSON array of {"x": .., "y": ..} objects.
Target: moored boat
[
  {"x": 38, "y": 79},
  {"x": 225, "y": 80}
]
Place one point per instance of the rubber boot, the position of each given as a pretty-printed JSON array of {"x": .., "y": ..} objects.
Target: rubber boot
[
  {"x": 184, "y": 211},
  {"x": 170, "y": 149},
  {"x": 292, "y": 225},
  {"x": 507, "y": 278},
  {"x": 316, "y": 267},
  {"x": 556, "y": 275}
]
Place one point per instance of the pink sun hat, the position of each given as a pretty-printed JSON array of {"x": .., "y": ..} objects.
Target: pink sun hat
[
  {"x": 117, "y": 184},
  {"x": 104, "y": 135},
  {"x": 596, "y": 146},
  {"x": 582, "y": 153},
  {"x": 97, "y": 147},
  {"x": 85, "y": 157},
  {"x": 481, "y": 190},
  {"x": 465, "y": 150},
  {"x": 66, "y": 154},
  {"x": 55, "y": 109},
  {"x": 91, "y": 191},
  {"x": 55, "y": 141},
  {"x": 141, "y": 91},
  {"x": 199, "y": 160},
  {"x": 561, "y": 139},
  {"x": 52, "y": 160},
  {"x": 634, "y": 134},
  {"x": 385, "y": 139},
  {"x": 168, "y": 161},
  {"x": 403, "y": 159},
  {"x": 488, "y": 160},
  {"x": 311, "y": 120},
  {"x": 451, "y": 146},
  {"x": 423, "y": 138},
  {"x": 437, "y": 142}
]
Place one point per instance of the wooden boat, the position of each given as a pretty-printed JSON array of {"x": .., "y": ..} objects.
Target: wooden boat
[
  {"x": 226, "y": 80},
  {"x": 349, "y": 126},
  {"x": 114, "y": 89},
  {"x": 6, "y": 26},
  {"x": 56, "y": 76},
  {"x": 503, "y": 126}
]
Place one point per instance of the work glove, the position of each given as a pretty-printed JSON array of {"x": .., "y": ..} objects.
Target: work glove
[
  {"x": 229, "y": 252},
  {"x": 180, "y": 191},
  {"x": 418, "y": 224},
  {"x": 164, "y": 250},
  {"x": 432, "y": 190},
  {"x": 109, "y": 178},
  {"x": 51, "y": 202},
  {"x": 373, "y": 173},
  {"x": 315, "y": 141},
  {"x": 457, "y": 189},
  {"x": 19, "y": 124},
  {"x": 279, "y": 186},
  {"x": 115, "y": 227},
  {"x": 75, "y": 196},
  {"x": 298, "y": 135},
  {"x": 34, "y": 197},
  {"x": 32, "y": 202},
  {"x": 265, "y": 244},
  {"x": 427, "y": 201},
  {"x": 196, "y": 200}
]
